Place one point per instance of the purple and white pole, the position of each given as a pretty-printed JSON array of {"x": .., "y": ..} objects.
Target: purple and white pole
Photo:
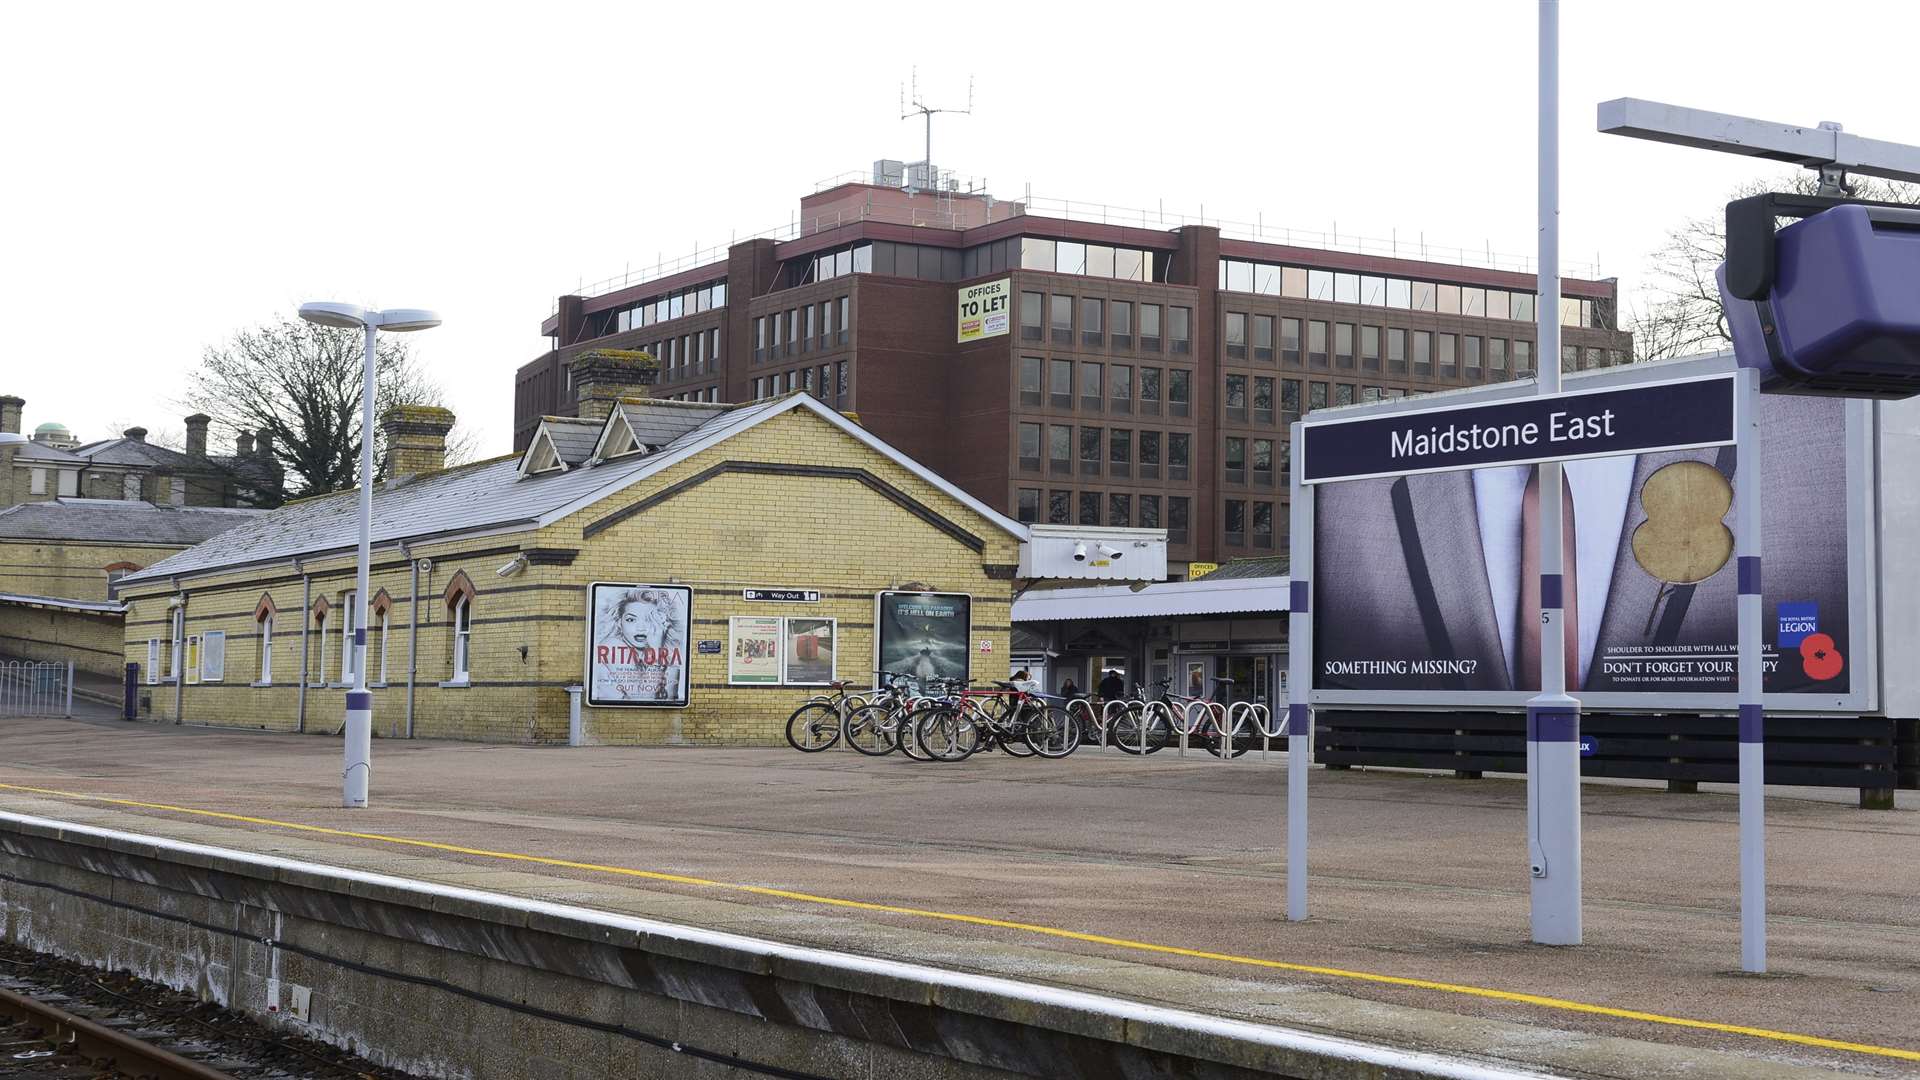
[
  {"x": 358, "y": 763},
  {"x": 1753, "y": 789},
  {"x": 1553, "y": 717},
  {"x": 1299, "y": 675}
]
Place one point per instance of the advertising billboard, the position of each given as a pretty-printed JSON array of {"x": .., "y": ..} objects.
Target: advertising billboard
[
  {"x": 637, "y": 644},
  {"x": 1426, "y": 585},
  {"x": 923, "y": 634},
  {"x": 985, "y": 310},
  {"x": 753, "y": 658}
]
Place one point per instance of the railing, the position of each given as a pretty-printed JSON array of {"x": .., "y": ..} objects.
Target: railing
[
  {"x": 29, "y": 688},
  {"x": 1414, "y": 246}
]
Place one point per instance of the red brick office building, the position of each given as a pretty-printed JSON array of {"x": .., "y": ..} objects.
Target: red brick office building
[{"x": 1147, "y": 374}]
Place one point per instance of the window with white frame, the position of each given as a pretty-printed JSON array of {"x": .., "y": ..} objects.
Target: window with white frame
[
  {"x": 462, "y": 636},
  {"x": 265, "y": 625},
  {"x": 39, "y": 485},
  {"x": 153, "y": 660},
  {"x": 213, "y": 656},
  {"x": 69, "y": 483},
  {"x": 177, "y": 645}
]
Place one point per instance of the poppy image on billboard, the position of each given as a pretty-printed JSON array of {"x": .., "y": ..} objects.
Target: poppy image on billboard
[
  {"x": 637, "y": 644},
  {"x": 923, "y": 635}
]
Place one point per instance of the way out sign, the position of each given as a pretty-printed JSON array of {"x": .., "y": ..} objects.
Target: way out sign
[
  {"x": 1673, "y": 414},
  {"x": 986, "y": 310}
]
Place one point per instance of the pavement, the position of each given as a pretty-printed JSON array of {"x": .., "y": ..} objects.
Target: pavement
[{"x": 1174, "y": 868}]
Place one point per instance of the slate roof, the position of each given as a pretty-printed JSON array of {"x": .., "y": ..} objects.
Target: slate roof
[
  {"x": 493, "y": 494},
  {"x": 1267, "y": 566},
  {"x": 118, "y": 521},
  {"x": 33, "y": 451},
  {"x": 657, "y": 423},
  {"x": 141, "y": 454},
  {"x": 573, "y": 438}
]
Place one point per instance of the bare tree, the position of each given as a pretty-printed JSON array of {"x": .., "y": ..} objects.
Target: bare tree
[
  {"x": 300, "y": 383},
  {"x": 1685, "y": 314}
]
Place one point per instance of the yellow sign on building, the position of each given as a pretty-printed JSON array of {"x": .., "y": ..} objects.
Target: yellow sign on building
[
  {"x": 1198, "y": 570},
  {"x": 986, "y": 309}
]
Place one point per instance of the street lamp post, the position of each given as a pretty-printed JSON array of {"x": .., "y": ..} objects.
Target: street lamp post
[{"x": 359, "y": 728}]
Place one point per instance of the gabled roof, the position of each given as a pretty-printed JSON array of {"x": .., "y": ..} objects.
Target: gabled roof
[
  {"x": 572, "y": 437},
  {"x": 639, "y": 424},
  {"x": 41, "y": 452},
  {"x": 492, "y": 496},
  {"x": 120, "y": 521},
  {"x": 141, "y": 454}
]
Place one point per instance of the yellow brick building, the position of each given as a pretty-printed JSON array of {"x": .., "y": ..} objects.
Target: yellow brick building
[{"x": 480, "y": 577}]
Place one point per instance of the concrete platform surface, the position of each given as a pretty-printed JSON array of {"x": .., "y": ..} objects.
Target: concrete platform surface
[{"x": 1161, "y": 879}]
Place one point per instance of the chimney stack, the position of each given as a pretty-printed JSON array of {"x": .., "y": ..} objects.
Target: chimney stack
[
  {"x": 601, "y": 377},
  {"x": 197, "y": 434},
  {"x": 263, "y": 443},
  {"x": 137, "y": 434},
  {"x": 416, "y": 439},
  {"x": 243, "y": 445},
  {"x": 10, "y": 408}
]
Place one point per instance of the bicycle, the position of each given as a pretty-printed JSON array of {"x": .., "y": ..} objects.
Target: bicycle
[
  {"x": 1008, "y": 718},
  {"x": 820, "y": 720},
  {"x": 1215, "y": 722},
  {"x": 1137, "y": 725},
  {"x": 873, "y": 729}
]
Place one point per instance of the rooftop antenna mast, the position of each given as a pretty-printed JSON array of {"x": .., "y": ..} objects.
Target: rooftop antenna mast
[{"x": 912, "y": 106}]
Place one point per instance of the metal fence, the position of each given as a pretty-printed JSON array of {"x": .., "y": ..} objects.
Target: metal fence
[{"x": 29, "y": 688}]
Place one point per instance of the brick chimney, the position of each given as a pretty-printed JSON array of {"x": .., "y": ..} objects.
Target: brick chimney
[
  {"x": 263, "y": 444},
  {"x": 10, "y": 408},
  {"x": 601, "y": 377},
  {"x": 197, "y": 434},
  {"x": 243, "y": 445},
  {"x": 137, "y": 434},
  {"x": 416, "y": 439}
]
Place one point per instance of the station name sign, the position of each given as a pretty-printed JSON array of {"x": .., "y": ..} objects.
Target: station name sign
[{"x": 1675, "y": 414}]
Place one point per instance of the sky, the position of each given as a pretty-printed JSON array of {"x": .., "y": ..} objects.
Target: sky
[{"x": 175, "y": 172}]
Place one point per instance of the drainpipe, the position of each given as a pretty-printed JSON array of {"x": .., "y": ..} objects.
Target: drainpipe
[
  {"x": 413, "y": 633},
  {"x": 306, "y": 626}
]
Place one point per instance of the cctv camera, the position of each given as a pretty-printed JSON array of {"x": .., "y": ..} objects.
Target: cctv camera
[
  {"x": 1109, "y": 551},
  {"x": 1079, "y": 553},
  {"x": 517, "y": 564}
]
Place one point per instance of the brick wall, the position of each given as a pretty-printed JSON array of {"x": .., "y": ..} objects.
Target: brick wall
[
  {"x": 91, "y": 642},
  {"x": 731, "y": 531},
  {"x": 68, "y": 570}
]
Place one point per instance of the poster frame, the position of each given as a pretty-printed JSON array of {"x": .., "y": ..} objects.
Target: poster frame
[
  {"x": 786, "y": 638},
  {"x": 779, "y": 644},
  {"x": 586, "y": 653},
  {"x": 879, "y": 598}
]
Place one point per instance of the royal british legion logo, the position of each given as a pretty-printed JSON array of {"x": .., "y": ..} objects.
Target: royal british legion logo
[{"x": 1798, "y": 618}]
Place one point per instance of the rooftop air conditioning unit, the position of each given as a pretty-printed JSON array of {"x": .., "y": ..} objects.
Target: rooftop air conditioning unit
[{"x": 889, "y": 173}]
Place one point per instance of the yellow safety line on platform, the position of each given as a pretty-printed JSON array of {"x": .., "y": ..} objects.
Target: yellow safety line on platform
[{"x": 1540, "y": 1001}]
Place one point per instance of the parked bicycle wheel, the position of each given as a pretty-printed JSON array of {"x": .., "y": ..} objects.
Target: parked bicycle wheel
[
  {"x": 945, "y": 733},
  {"x": 1080, "y": 711},
  {"x": 874, "y": 730},
  {"x": 813, "y": 727},
  {"x": 1227, "y": 728},
  {"x": 1050, "y": 732},
  {"x": 1149, "y": 726}
]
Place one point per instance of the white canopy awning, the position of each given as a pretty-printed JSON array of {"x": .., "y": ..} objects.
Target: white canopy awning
[{"x": 1204, "y": 597}]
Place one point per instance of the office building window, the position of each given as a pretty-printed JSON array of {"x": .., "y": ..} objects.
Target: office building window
[
  {"x": 1090, "y": 446},
  {"x": 1497, "y": 358},
  {"x": 842, "y": 389},
  {"x": 1569, "y": 358},
  {"x": 1370, "y": 348},
  {"x": 1317, "y": 344},
  {"x": 1060, "y": 449},
  {"x": 1179, "y": 392},
  {"x": 759, "y": 388},
  {"x": 1236, "y": 336},
  {"x": 1444, "y": 350},
  {"x": 1150, "y": 328},
  {"x": 1029, "y": 505},
  {"x": 1030, "y": 326},
  {"x": 1119, "y": 510},
  {"x": 1423, "y": 352},
  {"x": 1149, "y": 455},
  {"x": 1179, "y": 454},
  {"x": 1059, "y": 508},
  {"x": 1343, "y": 393},
  {"x": 1120, "y": 387},
  {"x": 1316, "y": 396},
  {"x": 1373, "y": 291},
  {"x": 1235, "y": 460},
  {"x": 759, "y": 338},
  {"x": 1319, "y": 284},
  {"x": 1030, "y": 447},
  {"x": 1289, "y": 400},
  {"x": 1180, "y": 330},
  {"x": 1263, "y": 524},
  {"x": 1343, "y": 345},
  {"x": 1121, "y": 314},
  {"x": 1150, "y": 391},
  {"x": 1120, "y": 452},
  {"x": 1236, "y": 398},
  {"x": 1235, "y": 515},
  {"x": 1030, "y": 380},
  {"x": 1178, "y": 507},
  {"x": 1092, "y": 391},
  {"x": 1149, "y": 511},
  {"x": 1470, "y": 356},
  {"x": 1396, "y": 351},
  {"x": 1262, "y": 400},
  {"x": 1091, "y": 308},
  {"x": 1521, "y": 307},
  {"x": 1060, "y": 383},
  {"x": 1497, "y": 303},
  {"x": 1061, "y": 319},
  {"x": 1293, "y": 282},
  {"x": 1089, "y": 508},
  {"x": 844, "y": 324},
  {"x": 1290, "y": 342},
  {"x": 1262, "y": 462},
  {"x": 1263, "y": 339},
  {"x": 1522, "y": 358}
]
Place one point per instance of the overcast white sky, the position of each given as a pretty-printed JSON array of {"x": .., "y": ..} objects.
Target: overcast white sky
[{"x": 175, "y": 171}]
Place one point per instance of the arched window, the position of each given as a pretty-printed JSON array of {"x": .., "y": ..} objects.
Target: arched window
[
  {"x": 263, "y": 614},
  {"x": 116, "y": 571},
  {"x": 459, "y": 599},
  {"x": 317, "y": 673},
  {"x": 379, "y": 619}
]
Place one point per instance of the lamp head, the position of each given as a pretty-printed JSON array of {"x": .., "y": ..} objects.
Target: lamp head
[
  {"x": 335, "y": 314},
  {"x": 401, "y": 320}
]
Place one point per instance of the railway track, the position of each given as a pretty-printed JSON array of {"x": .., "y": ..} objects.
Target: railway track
[{"x": 58, "y": 1019}]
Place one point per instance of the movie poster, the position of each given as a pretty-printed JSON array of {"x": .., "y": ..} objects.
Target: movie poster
[
  {"x": 753, "y": 650},
  {"x": 637, "y": 645},
  {"x": 808, "y": 651},
  {"x": 923, "y": 635},
  {"x": 1429, "y": 582}
]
